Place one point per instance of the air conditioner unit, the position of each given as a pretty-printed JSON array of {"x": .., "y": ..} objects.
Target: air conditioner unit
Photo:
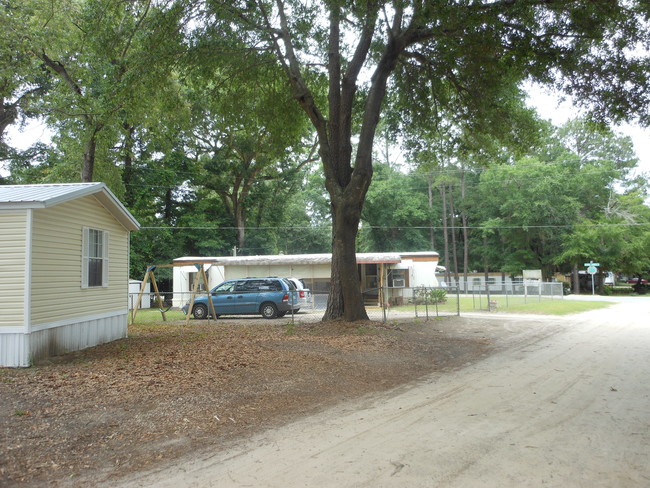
[{"x": 399, "y": 283}]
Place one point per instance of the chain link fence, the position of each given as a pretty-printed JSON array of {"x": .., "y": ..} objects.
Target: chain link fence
[{"x": 387, "y": 304}]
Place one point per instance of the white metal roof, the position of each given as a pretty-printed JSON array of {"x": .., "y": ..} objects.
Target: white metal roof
[
  {"x": 46, "y": 195},
  {"x": 297, "y": 259}
]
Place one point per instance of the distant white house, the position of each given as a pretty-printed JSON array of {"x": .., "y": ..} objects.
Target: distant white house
[
  {"x": 396, "y": 271},
  {"x": 64, "y": 263}
]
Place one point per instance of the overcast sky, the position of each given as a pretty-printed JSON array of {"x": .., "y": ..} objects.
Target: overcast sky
[{"x": 550, "y": 108}]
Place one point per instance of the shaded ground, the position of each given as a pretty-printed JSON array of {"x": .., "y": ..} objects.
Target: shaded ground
[{"x": 130, "y": 405}]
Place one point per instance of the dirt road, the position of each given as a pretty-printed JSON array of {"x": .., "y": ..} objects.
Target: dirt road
[{"x": 571, "y": 409}]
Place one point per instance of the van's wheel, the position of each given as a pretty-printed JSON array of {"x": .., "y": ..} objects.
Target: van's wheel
[
  {"x": 269, "y": 310},
  {"x": 200, "y": 311}
]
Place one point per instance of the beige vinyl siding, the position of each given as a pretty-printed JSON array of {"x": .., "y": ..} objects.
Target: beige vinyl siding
[
  {"x": 56, "y": 262},
  {"x": 13, "y": 255}
]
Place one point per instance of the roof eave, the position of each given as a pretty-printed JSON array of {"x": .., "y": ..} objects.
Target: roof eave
[
  {"x": 99, "y": 190},
  {"x": 115, "y": 207}
]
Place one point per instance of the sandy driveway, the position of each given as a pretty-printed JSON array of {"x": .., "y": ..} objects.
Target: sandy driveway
[{"x": 570, "y": 409}]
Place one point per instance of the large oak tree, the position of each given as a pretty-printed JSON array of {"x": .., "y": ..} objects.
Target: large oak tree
[
  {"x": 457, "y": 54},
  {"x": 245, "y": 132},
  {"x": 109, "y": 62}
]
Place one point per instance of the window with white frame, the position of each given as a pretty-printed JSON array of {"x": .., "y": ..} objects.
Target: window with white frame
[
  {"x": 397, "y": 278},
  {"x": 94, "y": 265}
]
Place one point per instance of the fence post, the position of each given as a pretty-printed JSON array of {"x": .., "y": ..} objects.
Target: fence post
[
  {"x": 426, "y": 302},
  {"x": 435, "y": 302},
  {"x": 525, "y": 292},
  {"x": 384, "y": 303},
  {"x": 415, "y": 301}
]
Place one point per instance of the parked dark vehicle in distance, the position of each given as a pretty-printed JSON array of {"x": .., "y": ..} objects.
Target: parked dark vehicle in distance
[
  {"x": 270, "y": 297},
  {"x": 635, "y": 280}
]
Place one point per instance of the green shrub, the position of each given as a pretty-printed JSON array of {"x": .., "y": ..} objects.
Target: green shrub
[
  {"x": 430, "y": 295},
  {"x": 438, "y": 295}
]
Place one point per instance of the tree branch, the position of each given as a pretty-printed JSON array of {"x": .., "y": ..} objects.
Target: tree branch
[
  {"x": 127, "y": 45},
  {"x": 61, "y": 70},
  {"x": 292, "y": 67}
]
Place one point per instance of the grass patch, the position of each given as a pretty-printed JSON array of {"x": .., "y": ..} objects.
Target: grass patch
[
  {"x": 556, "y": 307},
  {"x": 153, "y": 316},
  {"x": 508, "y": 305},
  {"x": 290, "y": 329}
]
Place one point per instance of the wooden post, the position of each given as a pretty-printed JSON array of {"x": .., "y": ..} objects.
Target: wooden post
[
  {"x": 191, "y": 306},
  {"x": 207, "y": 287},
  {"x": 159, "y": 299},
  {"x": 148, "y": 275},
  {"x": 201, "y": 276},
  {"x": 134, "y": 310}
]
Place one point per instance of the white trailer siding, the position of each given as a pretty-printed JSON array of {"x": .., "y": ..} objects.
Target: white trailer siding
[
  {"x": 284, "y": 270},
  {"x": 239, "y": 271},
  {"x": 422, "y": 273},
  {"x": 216, "y": 275},
  {"x": 183, "y": 283},
  {"x": 13, "y": 259}
]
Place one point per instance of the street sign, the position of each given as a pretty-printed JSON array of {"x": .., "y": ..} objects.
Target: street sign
[{"x": 592, "y": 269}]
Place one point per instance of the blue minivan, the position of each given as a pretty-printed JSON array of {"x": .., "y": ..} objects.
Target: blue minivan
[{"x": 271, "y": 297}]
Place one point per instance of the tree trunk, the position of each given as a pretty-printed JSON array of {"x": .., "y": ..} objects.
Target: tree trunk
[
  {"x": 445, "y": 234},
  {"x": 345, "y": 299},
  {"x": 240, "y": 224},
  {"x": 89, "y": 157},
  {"x": 430, "y": 190},
  {"x": 169, "y": 206},
  {"x": 576, "y": 279},
  {"x": 346, "y": 184},
  {"x": 454, "y": 246},
  {"x": 127, "y": 175},
  {"x": 486, "y": 271},
  {"x": 463, "y": 216}
]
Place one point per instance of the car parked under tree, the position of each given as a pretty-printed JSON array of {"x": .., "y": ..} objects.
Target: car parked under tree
[{"x": 270, "y": 297}]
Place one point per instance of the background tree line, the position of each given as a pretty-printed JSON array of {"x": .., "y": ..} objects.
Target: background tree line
[{"x": 189, "y": 119}]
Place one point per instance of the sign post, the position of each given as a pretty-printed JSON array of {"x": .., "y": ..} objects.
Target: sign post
[{"x": 592, "y": 269}]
